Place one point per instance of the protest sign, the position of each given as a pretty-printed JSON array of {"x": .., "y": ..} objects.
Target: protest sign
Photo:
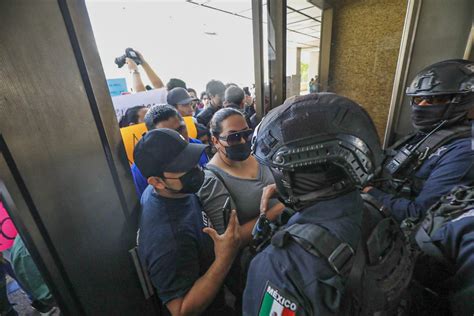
[
  {"x": 131, "y": 135},
  {"x": 146, "y": 98}
]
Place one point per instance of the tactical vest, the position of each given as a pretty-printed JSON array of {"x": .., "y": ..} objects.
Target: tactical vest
[
  {"x": 450, "y": 207},
  {"x": 404, "y": 158},
  {"x": 374, "y": 276}
]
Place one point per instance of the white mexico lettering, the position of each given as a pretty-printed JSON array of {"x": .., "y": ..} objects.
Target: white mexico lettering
[{"x": 280, "y": 299}]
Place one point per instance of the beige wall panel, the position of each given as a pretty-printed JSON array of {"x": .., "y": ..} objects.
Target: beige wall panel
[{"x": 366, "y": 40}]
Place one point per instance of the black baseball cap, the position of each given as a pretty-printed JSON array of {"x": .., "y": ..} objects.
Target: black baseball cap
[
  {"x": 179, "y": 96},
  {"x": 165, "y": 150}
]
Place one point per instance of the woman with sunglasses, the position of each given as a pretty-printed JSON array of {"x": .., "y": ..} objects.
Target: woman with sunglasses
[{"x": 234, "y": 174}]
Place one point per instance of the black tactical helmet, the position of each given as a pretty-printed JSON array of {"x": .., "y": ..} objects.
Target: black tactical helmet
[
  {"x": 451, "y": 79},
  {"x": 455, "y": 76},
  {"x": 324, "y": 130}
]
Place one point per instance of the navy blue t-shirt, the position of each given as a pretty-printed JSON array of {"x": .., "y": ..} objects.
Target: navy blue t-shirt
[{"x": 172, "y": 245}]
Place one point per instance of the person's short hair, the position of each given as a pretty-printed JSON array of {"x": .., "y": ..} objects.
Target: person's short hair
[
  {"x": 192, "y": 90},
  {"x": 234, "y": 94},
  {"x": 246, "y": 91},
  {"x": 159, "y": 113},
  {"x": 175, "y": 83},
  {"x": 215, "y": 87},
  {"x": 204, "y": 93}
]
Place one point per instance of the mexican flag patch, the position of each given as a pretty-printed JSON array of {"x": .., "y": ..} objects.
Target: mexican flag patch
[{"x": 276, "y": 303}]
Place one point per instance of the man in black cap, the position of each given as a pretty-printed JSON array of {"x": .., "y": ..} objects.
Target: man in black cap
[
  {"x": 172, "y": 240},
  {"x": 163, "y": 116},
  {"x": 181, "y": 100}
]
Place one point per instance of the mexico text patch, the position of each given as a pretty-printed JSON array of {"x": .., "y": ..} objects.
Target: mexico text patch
[{"x": 276, "y": 302}]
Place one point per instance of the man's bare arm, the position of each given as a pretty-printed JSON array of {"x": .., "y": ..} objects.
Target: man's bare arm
[
  {"x": 206, "y": 287},
  {"x": 137, "y": 82},
  {"x": 152, "y": 76}
]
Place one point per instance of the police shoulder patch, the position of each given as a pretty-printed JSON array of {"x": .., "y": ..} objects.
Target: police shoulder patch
[{"x": 277, "y": 302}]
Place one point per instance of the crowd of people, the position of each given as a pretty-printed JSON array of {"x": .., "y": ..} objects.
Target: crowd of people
[{"x": 272, "y": 217}]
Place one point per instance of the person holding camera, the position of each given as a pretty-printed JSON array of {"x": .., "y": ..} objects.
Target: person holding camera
[{"x": 138, "y": 85}]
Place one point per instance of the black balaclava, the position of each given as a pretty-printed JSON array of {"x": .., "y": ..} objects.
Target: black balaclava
[
  {"x": 426, "y": 118},
  {"x": 302, "y": 188}
]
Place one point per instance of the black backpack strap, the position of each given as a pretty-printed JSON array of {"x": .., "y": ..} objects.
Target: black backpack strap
[
  {"x": 214, "y": 170},
  {"x": 352, "y": 301},
  {"x": 321, "y": 243}
]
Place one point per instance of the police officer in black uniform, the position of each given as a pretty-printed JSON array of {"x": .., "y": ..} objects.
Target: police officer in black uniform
[
  {"x": 321, "y": 149},
  {"x": 428, "y": 163}
]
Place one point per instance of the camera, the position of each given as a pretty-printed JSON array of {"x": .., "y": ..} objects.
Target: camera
[{"x": 129, "y": 53}]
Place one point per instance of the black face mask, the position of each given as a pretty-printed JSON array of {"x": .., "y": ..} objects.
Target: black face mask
[
  {"x": 307, "y": 187},
  {"x": 426, "y": 118},
  {"x": 239, "y": 152},
  {"x": 191, "y": 181}
]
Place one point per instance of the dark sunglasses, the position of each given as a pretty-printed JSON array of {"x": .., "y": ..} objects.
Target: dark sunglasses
[
  {"x": 234, "y": 138},
  {"x": 433, "y": 99}
]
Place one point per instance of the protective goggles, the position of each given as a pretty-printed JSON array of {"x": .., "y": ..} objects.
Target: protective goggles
[
  {"x": 234, "y": 138},
  {"x": 433, "y": 99}
]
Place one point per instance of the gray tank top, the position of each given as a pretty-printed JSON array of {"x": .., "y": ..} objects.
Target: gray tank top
[{"x": 246, "y": 193}]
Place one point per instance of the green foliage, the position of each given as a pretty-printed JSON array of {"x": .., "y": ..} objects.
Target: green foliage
[{"x": 304, "y": 72}]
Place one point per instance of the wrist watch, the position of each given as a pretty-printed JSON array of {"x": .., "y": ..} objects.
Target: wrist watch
[{"x": 135, "y": 72}]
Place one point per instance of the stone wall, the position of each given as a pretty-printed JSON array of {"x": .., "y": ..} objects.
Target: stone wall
[{"x": 365, "y": 45}]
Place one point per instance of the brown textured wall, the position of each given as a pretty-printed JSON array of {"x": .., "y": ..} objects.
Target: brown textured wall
[{"x": 364, "y": 53}]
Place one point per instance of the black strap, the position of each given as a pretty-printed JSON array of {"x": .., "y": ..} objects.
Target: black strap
[
  {"x": 215, "y": 172},
  {"x": 459, "y": 201},
  {"x": 442, "y": 137},
  {"x": 321, "y": 243},
  {"x": 391, "y": 151},
  {"x": 413, "y": 156},
  {"x": 426, "y": 245},
  {"x": 352, "y": 299}
]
